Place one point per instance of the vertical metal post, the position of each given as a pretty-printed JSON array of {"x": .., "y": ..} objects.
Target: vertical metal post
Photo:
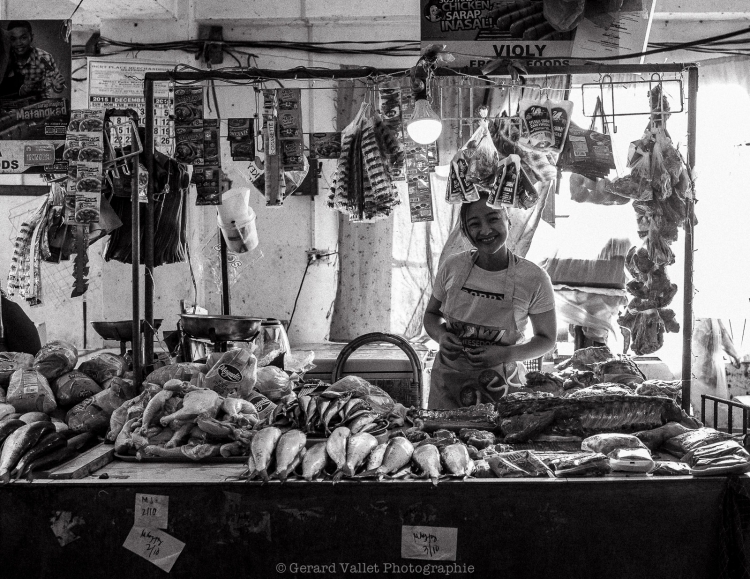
[
  {"x": 687, "y": 313},
  {"x": 703, "y": 408},
  {"x": 730, "y": 418},
  {"x": 135, "y": 239},
  {"x": 225, "y": 297},
  {"x": 148, "y": 231},
  {"x": 716, "y": 414}
]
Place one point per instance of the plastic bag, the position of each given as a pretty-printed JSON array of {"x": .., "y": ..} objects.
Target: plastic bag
[
  {"x": 482, "y": 157},
  {"x": 607, "y": 442},
  {"x": 73, "y": 387},
  {"x": 55, "y": 358},
  {"x": 103, "y": 367},
  {"x": 505, "y": 186},
  {"x": 536, "y": 115},
  {"x": 29, "y": 391},
  {"x": 584, "y": 190},
  {"x": 726, "y": 457},
  {"x": 93, "y": 413},
  {"x": 584, "y": 464},
  {"x": 273, "y": 383},
  {"x": 560, "y": 112},
  {"x": 12, "y": 361},
  {"x": 682, "y": 444},
  {"x": 521, "y": 463},
  {"x": 655, "y": 437},
  {"x": 564, "y": 15},
  {"x": 234, "y": 374},
  {"x": 668, "y": 468},
  {"x": 631, "y": 460},
  {"x": 380, "y": 401},
  {"x": 182, "y": 371},
  {"x": 299, "y": 362}
]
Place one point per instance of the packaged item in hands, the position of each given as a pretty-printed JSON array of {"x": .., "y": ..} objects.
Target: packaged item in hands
[
  {"x": 55, "y": 358},
  {"x": 29, "y": 391},
  {"x": 235, "y": 373}
]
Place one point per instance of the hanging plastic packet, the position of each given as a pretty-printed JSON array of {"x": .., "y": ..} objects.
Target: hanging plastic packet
[
  {"x": 528, "y": 195},
  {"x": 560, "y": 112},
  {"x": 536, "y": 115},
  {"x": 505, "y": 188},
  {"x": 457, "y": 184}
]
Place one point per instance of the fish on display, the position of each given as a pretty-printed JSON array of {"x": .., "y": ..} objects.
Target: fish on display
[
  {"x": 336, "y": 448},
  {"x": 457, "y": 460},
  {"x": 7, "y": 427},
  {"x": 261, "y": 451},
  {"x": 333, "y": 409},
  {"x": 397, "y": 454},
  {"x": 18, "y": 443},
  {"x": 314, "y": 462},
  {"x": 376, "y": 456},
  {"x": 427, "y": 459},
  {"x": 362, "y": 420},
  {"x": 358, "y": 448},
  {"x": 47, "y": 444},
  {"x": 288, "y": 449}
]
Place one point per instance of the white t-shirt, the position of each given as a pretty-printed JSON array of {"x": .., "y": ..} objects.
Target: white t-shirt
[{"x": 533, "y": 289}]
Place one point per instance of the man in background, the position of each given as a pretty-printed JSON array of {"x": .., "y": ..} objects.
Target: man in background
[
  {"x": 17, "y": 332},
  {"x": 31, "y": 71}
]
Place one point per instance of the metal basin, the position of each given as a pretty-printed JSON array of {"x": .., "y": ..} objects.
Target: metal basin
[
  {"x": 121, "y": 331},
  {"x": 221, "y": 328}
]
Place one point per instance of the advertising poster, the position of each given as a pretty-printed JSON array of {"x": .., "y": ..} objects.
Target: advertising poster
[
  {"x": 119, "y": 84},
  {"x": 479, "y": 31},
  {"x": 35, "y": 73}
]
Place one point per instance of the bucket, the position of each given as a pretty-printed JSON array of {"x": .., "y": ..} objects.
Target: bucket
[
  {"x": 241, "y": 235},
  {"x": 235, "y": 205}
]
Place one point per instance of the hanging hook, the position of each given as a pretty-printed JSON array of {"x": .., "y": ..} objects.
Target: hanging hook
[{"x": 603, "y": 80}]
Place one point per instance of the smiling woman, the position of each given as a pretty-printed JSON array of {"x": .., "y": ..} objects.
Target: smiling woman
[{"x": 481, "y": 303}]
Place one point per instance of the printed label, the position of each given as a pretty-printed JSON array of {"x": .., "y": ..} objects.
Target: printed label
[{"x": 229, "y": 373}]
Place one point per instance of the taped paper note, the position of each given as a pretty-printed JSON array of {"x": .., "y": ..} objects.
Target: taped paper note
[
  {"x": 429, "y": 543},
  {"x": 155, "y": 546},
  {"x": 151, "y": 511}
]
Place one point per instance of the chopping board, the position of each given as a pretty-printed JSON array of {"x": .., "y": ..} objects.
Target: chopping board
[{"x": 85, "y": 463}]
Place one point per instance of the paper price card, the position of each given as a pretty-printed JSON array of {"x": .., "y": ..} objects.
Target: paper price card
[
  {"x": 155, "y": 546},
  {"x": 151, "y": 511},
  {"x": 429, "y": 543}
]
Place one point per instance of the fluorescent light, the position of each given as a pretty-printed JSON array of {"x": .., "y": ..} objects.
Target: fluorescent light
[{"x": 425, "y": 125}]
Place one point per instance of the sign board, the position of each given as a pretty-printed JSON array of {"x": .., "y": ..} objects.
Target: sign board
[
  {"x": 119, "y": 84},
  {"x": 479, "y": 31},
  {"x": 35, "y": 79}
]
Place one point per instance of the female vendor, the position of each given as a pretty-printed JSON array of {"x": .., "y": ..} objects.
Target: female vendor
[{"x": 481, "y": 303}]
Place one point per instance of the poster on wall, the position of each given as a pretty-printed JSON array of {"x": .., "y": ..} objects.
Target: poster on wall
[
  {"x": 119, "y": 84},
  {"x": 479, "y": 31},
  {"x": 35, "y": 80}
]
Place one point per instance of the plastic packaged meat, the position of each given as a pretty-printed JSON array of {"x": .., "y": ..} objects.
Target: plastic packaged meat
[
  {"x": 29, "y": 391},
  {"x": 607, "y": 442},
  {"x": 55, "y": 358},
  {"x": 725, "y": 457},
  {"x": 684, "y": 443},
  {"x": 583, "y": 464}
]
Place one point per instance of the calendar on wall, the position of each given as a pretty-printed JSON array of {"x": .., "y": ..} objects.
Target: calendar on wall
[{"x": 120, "y": 85}]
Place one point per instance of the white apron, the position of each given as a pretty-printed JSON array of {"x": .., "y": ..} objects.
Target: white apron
[{"x": 455, "y": 383}]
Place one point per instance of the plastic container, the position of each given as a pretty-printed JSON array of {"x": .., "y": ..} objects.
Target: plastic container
[
  {"x": 235, "y": 205},
  {"x": 241, "y": 235}
]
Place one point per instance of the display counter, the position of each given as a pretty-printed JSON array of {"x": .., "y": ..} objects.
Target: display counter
[{"x": 583, "y": 528}]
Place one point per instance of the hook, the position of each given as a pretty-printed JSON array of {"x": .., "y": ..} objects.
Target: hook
[{"x": 603, "y": 81}]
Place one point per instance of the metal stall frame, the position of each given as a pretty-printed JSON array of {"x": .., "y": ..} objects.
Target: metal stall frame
[{"x": 255, "y": 74}]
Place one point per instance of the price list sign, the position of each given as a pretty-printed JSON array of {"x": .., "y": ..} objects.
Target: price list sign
[{"x": 120, "y": 85}]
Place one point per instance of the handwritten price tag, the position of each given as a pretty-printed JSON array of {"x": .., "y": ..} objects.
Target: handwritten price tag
[
  {"x": 151, "y": 511},
  {"x": 155, "y": 546},
  {"x": 429, "y": 543}
]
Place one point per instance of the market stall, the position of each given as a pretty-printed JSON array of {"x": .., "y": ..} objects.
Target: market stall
[{"x": 281, "y": 470}]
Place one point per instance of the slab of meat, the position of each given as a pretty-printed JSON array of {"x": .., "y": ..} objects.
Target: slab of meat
[{"x": 586, "y": 358}]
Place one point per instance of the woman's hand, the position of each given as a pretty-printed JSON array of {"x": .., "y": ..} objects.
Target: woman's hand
[
  {"x": 450, "y": 346},
  {"x": 489, "y": 356}
]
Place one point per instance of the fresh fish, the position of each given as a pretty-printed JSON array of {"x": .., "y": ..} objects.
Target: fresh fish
[
  {"x": 376, "y": 456},
  {"x": 52, "y": 459},
  {"x": 457, "y": 460},
  {"x": 314, "y": 461},
  {"x": 47, "y": 444},
  {"x": 336, "y": 447},
  {"x": 290, "y": 445},
  {"x": 332, "y": 410},
  {"x": 323, "y": 404},
  {"x": 16, "y": 445},
  {"x": 261, "y": 450},
  {"x": 358, "y": 448},
  {"x": 311, "y": 414},
  {"x": 304, "y": 402},
  {"x": 79, "y": 440},
  {"x": 352, "y": 406},
  {"x": 154, "y": 408},
  {"x": 397, "y": 454},
  {"x": 361, "y": 421},
  {"x": 30, "y": 417},
  {"x": 427, "y": 459},
  {"x": 8, "y": 426}
]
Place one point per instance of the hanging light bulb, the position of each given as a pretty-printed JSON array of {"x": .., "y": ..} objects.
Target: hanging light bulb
[{"x": 425, "y": 125}]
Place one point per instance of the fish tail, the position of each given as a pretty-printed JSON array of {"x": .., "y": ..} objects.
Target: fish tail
[
  {"x": 435, "y": 480},
  {"x": 252, "y": 475},
  {"x": 264, "y": 475},
  {"x": 283, "y": 475},
  {"x": 338, "y": 475},
  {"x": 5, "y": 477}
]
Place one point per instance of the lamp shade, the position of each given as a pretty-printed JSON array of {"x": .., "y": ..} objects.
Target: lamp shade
[{"x": 425, "y": 125}]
